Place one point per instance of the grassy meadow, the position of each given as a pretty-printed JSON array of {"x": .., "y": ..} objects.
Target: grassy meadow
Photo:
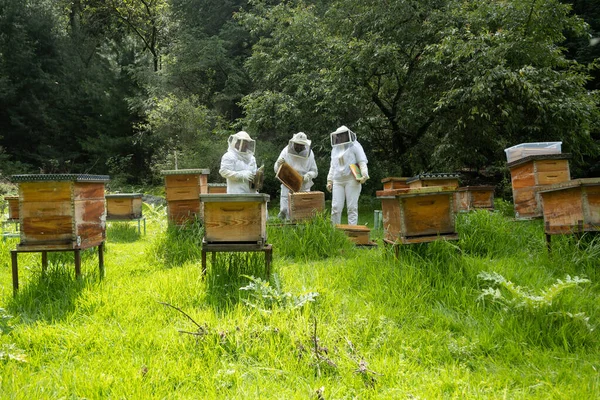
[{"x": 492, "y": 315}]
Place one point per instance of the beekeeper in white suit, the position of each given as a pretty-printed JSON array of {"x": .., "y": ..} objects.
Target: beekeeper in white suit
[
  {"x": 299, "y": 156},
  {"x": 341, "y": 182},
  {"x": 238, "y": 165}
]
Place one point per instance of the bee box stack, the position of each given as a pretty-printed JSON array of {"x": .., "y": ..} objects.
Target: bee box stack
[
  {"x": 183, "y": 188},
  {"x": 305, "y": 205}
]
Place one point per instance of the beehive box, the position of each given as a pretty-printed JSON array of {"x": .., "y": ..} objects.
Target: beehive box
[
  {"x": 359, "y": 234},
  {"x": 469, "y": 198},
  {"x": 418, "y": 215},
  {"x": 61, "y": 211},
  {"x": 217, "y": 188},
  {"x": 123, "y": 206},
  {"x": 440, "y": 179},
  {"x": 572, "y": 206},
  {"x": 529, "y": 175},
  {"x": 183, "y": 188},
  {"x": 235, "y": 218},
  {"x": 392, "y": 182},
  {"x": 13, "y": 207},
  {"x": 305, "y": 205}
]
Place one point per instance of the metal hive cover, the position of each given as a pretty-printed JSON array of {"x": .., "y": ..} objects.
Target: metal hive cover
[
  {"x": 433, "y": 176},
  {"x": 59, "y": 177},
  {"x": 204, "y": 171}
]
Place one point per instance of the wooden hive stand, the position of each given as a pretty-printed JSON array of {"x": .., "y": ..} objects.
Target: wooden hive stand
[
  {"x": 125, "y": 207},
  {"x": 235, "y": 223},
  {"x": 60, "y": 212},
  {"x": 183, "y": 188},
  {"x": 571, "y": 207}
]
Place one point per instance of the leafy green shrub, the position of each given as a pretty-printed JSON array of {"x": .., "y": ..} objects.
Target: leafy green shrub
[{"x": 264, "y": 297}]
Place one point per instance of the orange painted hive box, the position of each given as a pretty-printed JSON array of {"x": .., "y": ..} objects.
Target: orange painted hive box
[
  {"x": 433, "y": 179},
  {"x": 61, "y": 211},
  {"x": 123, "y": 206},
  {"x": 305, "y": 205},
  {"x": 418, "y": 215},
  {"x": 531, "y": 174},
  {"x": 182, "y": 189},
  {"x": 394, "y": 183},
  {"x": 572, "y": 206},
  {"x": 359, "y": 234},
  {"x": 13, "y": 207},
  {"x": 235, "y": 218},
  {"x": 474, "y": 198}
]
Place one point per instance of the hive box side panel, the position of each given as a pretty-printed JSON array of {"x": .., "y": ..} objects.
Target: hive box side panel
[
  {"x": 184, "y": 180},
  {"x": 522, "y": 176},
  {"x": 359, "y": 234},
  {"x": 183, "y": 193},
  {"x": 45, "y": 191},
  {"x": 47, "y": 229},
  {"x": 482, "y": 199},
  {"x": 562, "y": 210},
  {"x": 184, "y": 210},
  {"x": 40, "y": 209},
  {"x": 462, "y": 201},
  {"x": 235, "y": 222},
  {"x": 123, "y": 208},
  {"x": 305, "y": 205},
  {"x": 552, "y": 177},
  {"x": 13, "y": 208},
  {"x": 592, "y": 198},
  {"x": 551, "y": 165},
  {"x": 428, "y": 215},
  {"x": 526, "y": 203},
  {"x": 390, "y": 208},
  {"x": 86, "y": 191}
]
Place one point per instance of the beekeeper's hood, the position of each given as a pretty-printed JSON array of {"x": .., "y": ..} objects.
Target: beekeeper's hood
[
  {"x": 342, "y": 135},
  {"x": 299, "y": 145},
  {"x": 241, "y": 143}
]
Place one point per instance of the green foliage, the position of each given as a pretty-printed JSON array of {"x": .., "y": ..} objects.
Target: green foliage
[
  {"x": 264, "y": 297},
  {"x": 313, "y": 239}
]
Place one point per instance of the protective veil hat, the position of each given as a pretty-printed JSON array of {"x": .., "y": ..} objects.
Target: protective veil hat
[
  {"x": 242, "y": 143},
  {"x": 299, "y": 145},
  {"x": 342, "y": 135}
]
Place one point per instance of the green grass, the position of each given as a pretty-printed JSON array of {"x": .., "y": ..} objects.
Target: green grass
[{"x": 492, "y": 315}]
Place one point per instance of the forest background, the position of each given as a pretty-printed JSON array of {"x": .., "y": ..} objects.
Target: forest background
[{"x": 132, "y": 87}]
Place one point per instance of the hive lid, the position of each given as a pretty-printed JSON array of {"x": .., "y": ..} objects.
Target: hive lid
[
  {"x": 232, "y": 198},
  {"x": 422, "y": 191},
  {"x": 433, "y": 176},
  {"x": 571, "y": 184},
  {"x": 204, "y": 171},
  {"x": 394, "y": 179},
  {"x": 125, "y": 195},
  {"x": 11, "y": 197},
  {"x": 475, "y": 188},
  {"x": 59, "y": 177},
  {"x": 562, "y": 156},
  {"x": 217, "y": 185}
]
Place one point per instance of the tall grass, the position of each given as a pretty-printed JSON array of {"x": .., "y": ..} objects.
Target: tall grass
[{"x": 442, "y": 320}]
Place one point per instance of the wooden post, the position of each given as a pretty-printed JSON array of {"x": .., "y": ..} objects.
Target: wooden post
[
  {"x": 15, "y": 271},
  {"x": 77, "y": 263},
  {"x": 101, "y": 259},
  {"x": 44, "y": 261}
]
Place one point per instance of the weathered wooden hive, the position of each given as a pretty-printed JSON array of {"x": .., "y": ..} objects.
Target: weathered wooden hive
[
  {"x": 123, "y": 206},
  {"x": 469, "y": 198},
  {"x": 443, "y": 179},
  {"x": 394, "y": 182},
  {"x": 61, "y": 211},
  {"x": 418, "y": 215},
  {"x": 13, "y": 208},
  {"x": 305, "y": 205},
  {"x": 217, "y": 188},
  {"x": 532, "y": 173},
  {"x": 359, "y": 234},
  {"x": 183, "y": 188},
  {"x": 235, "y": 218},
  {"x": 572, "y": 206}
]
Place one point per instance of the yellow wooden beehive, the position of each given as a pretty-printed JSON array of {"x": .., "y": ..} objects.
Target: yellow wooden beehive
[
  {"x": 123, "y": 206},
  {"x": 183, "y": 188},
  {"x": 305, "y": 205}
]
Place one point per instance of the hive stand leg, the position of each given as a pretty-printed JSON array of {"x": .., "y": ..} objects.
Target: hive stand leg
[
  {"x": 203, "y": 262},
  {"x": 144, "y": 226},
  {"x": 101, "y": 259},
  {"x": 268, "y": 257},
  {"x": 77, "y": 263},
  {"x": 549, "y": 242},
  {"x": 15, "y": 271},
  {"x": 44, "y": 261},
  {"x": 139, "y": 228}
]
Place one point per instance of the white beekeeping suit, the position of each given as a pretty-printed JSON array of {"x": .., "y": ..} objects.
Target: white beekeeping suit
[
  {"x": 238, "y": 165},
  {"x": 345, "y": 151},
  {"x": 299, "y": 156}
]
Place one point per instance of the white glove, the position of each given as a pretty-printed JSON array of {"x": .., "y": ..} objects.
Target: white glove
[
  {"x": 307, "y": 178},
  {"x": 247, "y": 175},
  {"x": 329, "y": 186},
  {"x": 278, "y": 163},
  {"x": 364, "y": 179}
]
